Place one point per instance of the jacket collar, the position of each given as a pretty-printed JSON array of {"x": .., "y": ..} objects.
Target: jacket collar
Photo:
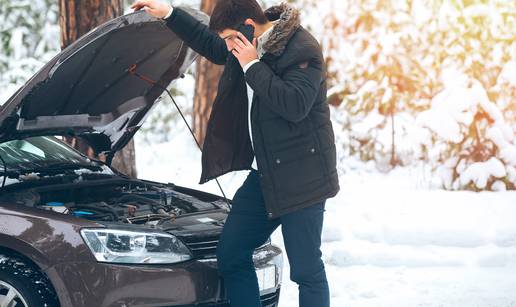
[
  {"x": 262, "y": 39},
  {"x": 287, "y": 22}
]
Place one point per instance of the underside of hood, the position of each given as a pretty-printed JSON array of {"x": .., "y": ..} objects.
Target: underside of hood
[{"x": 88, "y": 89}]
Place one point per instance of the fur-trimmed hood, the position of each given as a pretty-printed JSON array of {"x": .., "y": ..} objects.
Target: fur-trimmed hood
[{"x": 287, "y": 22}]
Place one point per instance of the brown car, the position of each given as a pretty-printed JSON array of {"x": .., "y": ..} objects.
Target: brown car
[{"x": 74, "y": 231}]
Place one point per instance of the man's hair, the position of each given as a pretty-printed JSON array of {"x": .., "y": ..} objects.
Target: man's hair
[{"x": 231, "y": 13}]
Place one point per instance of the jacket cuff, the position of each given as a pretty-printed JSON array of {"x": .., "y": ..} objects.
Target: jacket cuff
[
  {"x": 171, "y": 20},
  {"x": 256, "y": 74},
  {"x": 248, "y": 65},
  {"x": 181, "y": 23},
  {"x": 169, "y": 12}
]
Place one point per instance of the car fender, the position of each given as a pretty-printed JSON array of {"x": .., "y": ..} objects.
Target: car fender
[{"x": 45, "y": 237}]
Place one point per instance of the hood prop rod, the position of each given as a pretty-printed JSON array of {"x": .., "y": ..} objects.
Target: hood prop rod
[
  {"x": 132, "y": 71},
  {"x": 5, "y": 171}
]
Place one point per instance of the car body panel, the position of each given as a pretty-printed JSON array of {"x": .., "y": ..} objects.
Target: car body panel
[
  {"x": 185, "y": 284},
  {"x": 53, "y": 242},
  {"x": 90, "y": 89},
  {"x": 43, "y": 236}
]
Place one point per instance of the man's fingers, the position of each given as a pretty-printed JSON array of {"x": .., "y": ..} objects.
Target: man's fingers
[
  {"x": 139, "y": 7},
  {"x": 139, "y": 4},
  {"x": 136, "y": 6},
  {"x": 239, "y": 43},
  {"x": 254, "y": 42},
  {"x": 243, "y": 38},
  {"x": 238, "y": 46}
]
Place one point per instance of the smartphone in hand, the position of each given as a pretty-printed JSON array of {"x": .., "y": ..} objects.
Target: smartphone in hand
[{"x": 247, "y": 30}]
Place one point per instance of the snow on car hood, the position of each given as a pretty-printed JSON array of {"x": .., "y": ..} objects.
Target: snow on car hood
[{"x": 88, "y": 90}]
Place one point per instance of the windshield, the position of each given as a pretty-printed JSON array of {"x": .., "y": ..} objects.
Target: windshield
[{"x": 38, "y": 152}]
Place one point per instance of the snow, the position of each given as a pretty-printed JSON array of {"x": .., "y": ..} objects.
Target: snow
[
  {"x": 363, "y": 129},
  {"x": 508, "y": 73},
  {"x": 388, "y": 239},
  {"x": 451, "y": 116},
  {"x": 479, "y": 172},
  {"x": 451, "y": 108}
]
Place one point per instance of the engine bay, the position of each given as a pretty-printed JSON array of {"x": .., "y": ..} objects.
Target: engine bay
[{"x": 126, "y": 201}]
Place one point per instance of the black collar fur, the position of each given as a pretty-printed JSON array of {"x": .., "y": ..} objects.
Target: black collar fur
[{"x": 288, "y": 21}]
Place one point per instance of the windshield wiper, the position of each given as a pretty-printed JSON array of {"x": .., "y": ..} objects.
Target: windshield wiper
[
  {"x": 10, "y": 173},
  {"x": 62, "y": 166}
]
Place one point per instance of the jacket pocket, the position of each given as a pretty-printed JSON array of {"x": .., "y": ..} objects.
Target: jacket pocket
[
  {"x": 297, "y": 169},
  {"x": 293, "y": 150}
]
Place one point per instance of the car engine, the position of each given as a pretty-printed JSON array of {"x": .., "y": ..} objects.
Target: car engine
[{"x": 126, "y": 201}]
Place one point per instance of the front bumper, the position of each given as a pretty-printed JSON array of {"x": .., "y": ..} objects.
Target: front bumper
[{"x": 192, "y": 283}]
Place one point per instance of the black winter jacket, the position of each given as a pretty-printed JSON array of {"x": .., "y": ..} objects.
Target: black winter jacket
[{"x": 292, "y": 132}]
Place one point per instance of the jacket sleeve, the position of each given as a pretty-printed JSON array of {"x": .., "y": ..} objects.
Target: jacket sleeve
[
  {"x": 197, "y": 36},
  {"x": 291, "y": 96}
]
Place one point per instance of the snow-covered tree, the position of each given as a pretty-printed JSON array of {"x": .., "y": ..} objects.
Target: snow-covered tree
[
  {"x": 390, "y": 61},
  {"x": 29, "y": 37},
  {"x": 475, "y": 135},
  {"x": 472, "y": 116}
]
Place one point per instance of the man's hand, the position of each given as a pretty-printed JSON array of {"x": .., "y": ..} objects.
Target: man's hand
[
  {"x": 152, "y": 7},
  {"x": 243, "y": 50}
]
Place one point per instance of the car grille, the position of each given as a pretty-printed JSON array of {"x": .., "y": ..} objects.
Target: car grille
[
  {"x": 205, "y": 247},
  {"x": 270, "y": 300}
]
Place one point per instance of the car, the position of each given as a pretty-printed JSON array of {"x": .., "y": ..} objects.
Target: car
[{"x": 76, "y": 232}]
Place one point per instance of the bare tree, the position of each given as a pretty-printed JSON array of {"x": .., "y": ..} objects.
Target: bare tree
[
  {"x": 76, "y": 18},
  {"x": 207, "y": 77}
]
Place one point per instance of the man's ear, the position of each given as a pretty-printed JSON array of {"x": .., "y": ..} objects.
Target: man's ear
[{"x": 249, "y": 22}]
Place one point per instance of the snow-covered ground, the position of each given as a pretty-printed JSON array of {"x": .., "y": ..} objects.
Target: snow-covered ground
[{"x": 389, "y": 239}]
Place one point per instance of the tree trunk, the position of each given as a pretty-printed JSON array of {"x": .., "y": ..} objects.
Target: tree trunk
[
  {"x": 207, "y": 78},
  {"x": 76, "y": 18}
]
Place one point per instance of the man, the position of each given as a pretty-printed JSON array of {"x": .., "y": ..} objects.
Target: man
[{"x": 270, "y": 116}]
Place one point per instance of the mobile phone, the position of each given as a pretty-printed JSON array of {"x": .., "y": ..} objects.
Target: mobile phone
[{"x": 247, "y": 31}]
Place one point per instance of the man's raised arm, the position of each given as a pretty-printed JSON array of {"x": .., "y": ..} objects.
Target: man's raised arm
[{"x": 194, "y": 33}]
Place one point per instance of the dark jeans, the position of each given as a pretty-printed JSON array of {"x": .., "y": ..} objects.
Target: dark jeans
[{"x": 247, "y": 227}]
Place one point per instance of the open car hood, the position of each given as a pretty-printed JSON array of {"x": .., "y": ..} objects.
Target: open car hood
[{"x": 88, "y": 90}]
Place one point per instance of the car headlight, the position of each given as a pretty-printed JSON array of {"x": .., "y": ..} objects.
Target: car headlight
[{"x": 125, "y": 246}]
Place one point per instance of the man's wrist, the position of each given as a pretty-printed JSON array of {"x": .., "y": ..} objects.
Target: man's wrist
[
  {"x": 248, "y": 65},
  {"x": 169, "y": 12}
]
